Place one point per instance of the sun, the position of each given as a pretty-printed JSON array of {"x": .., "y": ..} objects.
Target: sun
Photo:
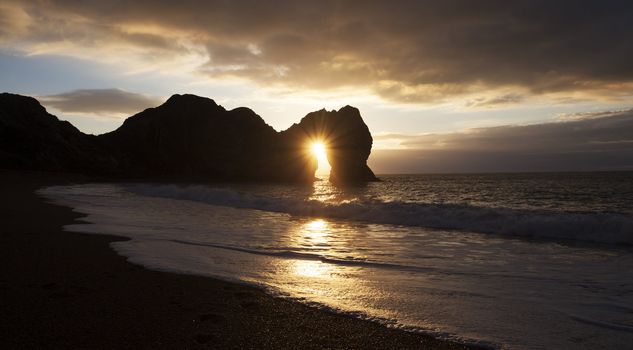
[{"x": 319, "y": 151}]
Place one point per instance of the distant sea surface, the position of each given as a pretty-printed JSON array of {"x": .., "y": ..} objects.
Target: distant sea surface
[{"x": 516, "y": 261}]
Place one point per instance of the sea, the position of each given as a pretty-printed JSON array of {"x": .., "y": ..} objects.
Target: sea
[{"x": 503, "y": 261}]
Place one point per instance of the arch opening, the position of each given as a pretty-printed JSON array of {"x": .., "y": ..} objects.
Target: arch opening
[{"x": 318, "y": 149}]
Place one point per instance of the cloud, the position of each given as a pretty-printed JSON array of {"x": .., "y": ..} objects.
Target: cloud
[
  {"x": 588, "y": 115},
  {"x": 406, "y": 51},
  {"x": 106, "y": 102},
  {"x": 489, "y": 102},
  {"x": 599, "y": 143},
  {"x": 13, "y": 20}
]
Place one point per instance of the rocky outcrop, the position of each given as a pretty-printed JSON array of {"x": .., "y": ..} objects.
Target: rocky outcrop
[
  {"x": 188, "y": 137},
  {"x": 193, "y": 137},
  {"x": 33, "y": 139},
  {"x": 346, "y": 137}
]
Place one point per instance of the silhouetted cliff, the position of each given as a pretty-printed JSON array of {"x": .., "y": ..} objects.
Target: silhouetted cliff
[
  {"x": 32, "y": 139},
  {"x": 187, "y": 137},
  {"x": 191, "y": 136}
]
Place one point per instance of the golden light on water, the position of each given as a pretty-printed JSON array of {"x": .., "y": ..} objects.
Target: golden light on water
[
  {"x": 319, "y": 150},
  {"x": 314, "y": 234},
  {"x": 319, "y": 273}
]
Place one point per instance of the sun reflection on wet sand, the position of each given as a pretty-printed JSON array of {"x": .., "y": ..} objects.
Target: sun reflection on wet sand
[
  {"x": 317, "y": 279},
  {"x": 315, "y": 235},
  {"x": 316, "y": 269},
  {"x": 312, "y": 278}
]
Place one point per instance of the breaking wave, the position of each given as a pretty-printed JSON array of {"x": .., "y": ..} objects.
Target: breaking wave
[{"x": 598, "y": 227}]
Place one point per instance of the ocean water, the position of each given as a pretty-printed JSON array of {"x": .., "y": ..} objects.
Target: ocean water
[{"x": 510, "y": 261}]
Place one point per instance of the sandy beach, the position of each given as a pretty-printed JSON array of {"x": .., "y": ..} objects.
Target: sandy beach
[{"x": 69, "y": 290}]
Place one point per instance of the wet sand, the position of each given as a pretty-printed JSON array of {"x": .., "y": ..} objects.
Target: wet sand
[{"x": 68, "y": 290}]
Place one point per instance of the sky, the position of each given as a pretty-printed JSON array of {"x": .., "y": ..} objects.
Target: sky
[{"x": 444, "y": 86}]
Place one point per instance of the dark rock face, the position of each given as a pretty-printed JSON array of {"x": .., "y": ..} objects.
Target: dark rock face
[
  {"x": 31, "y": 138},
  {"x": 188, "y": 137}
]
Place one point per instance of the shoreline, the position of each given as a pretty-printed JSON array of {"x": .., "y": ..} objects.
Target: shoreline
[{"x": 70, "y": 290}]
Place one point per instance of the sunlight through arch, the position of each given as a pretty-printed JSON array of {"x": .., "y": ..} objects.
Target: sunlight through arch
[{"x": 319, "y": 151}]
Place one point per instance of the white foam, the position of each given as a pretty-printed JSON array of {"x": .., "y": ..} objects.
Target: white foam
[{"x": 611, "y": 228}]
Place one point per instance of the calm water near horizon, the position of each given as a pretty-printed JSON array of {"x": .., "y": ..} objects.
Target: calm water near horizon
[{"x": 517, "y": 261}]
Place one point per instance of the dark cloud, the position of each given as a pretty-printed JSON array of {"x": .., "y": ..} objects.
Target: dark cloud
[
  {"x": 100, "y": 101},
  {"x": 599, "y": 143},
  {"x": 412, "y": 51}
]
